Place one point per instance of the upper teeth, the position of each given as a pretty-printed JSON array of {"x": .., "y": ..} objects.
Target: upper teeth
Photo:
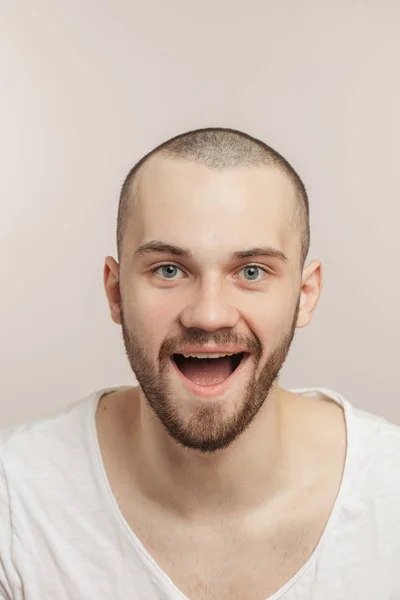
[{"x": 215, "y": 355}]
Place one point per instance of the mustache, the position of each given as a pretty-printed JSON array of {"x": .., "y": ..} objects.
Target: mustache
[{"x": 201, "y": 338}]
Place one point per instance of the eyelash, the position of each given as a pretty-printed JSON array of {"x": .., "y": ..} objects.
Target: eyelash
[{"x": 266, "y": 271}]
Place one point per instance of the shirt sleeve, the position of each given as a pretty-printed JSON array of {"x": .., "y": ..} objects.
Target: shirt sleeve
[
  {"x": 3, "y": 593},
  {"x": 5, "y": 539}
]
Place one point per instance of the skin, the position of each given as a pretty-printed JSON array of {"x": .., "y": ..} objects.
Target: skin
[{"x": 192, "y": 454}]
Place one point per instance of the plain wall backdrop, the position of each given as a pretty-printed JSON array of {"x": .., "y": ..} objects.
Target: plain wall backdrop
[{"x": 88, "y": 87}]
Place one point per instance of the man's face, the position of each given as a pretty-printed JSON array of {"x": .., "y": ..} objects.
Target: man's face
[{"x": 171, "y": 302}]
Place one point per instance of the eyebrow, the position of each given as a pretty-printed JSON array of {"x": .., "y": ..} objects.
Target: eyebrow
[{"x": 157, "y": 246}]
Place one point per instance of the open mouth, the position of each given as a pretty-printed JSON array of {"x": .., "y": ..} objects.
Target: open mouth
[{"x": 208, "y": 371}]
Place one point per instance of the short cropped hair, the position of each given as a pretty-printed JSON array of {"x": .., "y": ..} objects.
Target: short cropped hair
[{"x": 220, "y": 148}]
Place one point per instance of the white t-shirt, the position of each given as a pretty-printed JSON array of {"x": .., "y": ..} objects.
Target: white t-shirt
[{"x": 63, "y": 537}]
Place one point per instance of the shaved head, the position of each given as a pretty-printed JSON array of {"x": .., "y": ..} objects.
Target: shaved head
[
  {"x": 213, "y": 232},
  {"x": 219, "y": 148}
]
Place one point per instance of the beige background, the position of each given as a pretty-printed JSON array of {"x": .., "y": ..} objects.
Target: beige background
[{"x": 88, "y": 86}]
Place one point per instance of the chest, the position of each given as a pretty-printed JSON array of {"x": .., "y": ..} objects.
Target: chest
[{"x": 219, "y": 562}]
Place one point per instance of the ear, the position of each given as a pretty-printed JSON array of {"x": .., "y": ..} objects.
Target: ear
[
  {"x": 311, "y": 288},
  {"x": 111, "y": 286}
]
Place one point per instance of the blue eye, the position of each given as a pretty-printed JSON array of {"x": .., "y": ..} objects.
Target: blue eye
[
  {"x": 168, "y": 270},
  {"x": 254, "y": 271}
]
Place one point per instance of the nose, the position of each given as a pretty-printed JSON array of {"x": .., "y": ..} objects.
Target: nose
[{"x": 210, "y": 308}]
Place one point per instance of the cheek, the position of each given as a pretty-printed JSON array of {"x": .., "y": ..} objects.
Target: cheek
[
  {"x": 150, "y": 301},
  {"x": 150, "y": 321},
  {"x": 270, "y": 317}
]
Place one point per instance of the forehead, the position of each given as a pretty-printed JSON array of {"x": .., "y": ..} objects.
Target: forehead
[{"x": 187, "y": 203}]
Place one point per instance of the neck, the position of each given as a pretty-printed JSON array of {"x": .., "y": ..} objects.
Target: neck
[{"x": 241, "y": 477}]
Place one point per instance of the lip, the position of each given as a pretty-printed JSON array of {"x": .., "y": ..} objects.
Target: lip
[{"x": 210, "y": 391}]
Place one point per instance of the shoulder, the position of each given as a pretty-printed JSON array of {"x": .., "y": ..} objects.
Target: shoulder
[
  {"x": 373, "y": 443},
  {"x": 372, "y": 481},
  {"x": 43, "y": 429},
  {"x": 30, "y": 457},
  {"x": 36, "y": 457},
  {"x": 383, "y": 435},
  {"x": 369, "y": 435},
  {"x": 376, "y": 442},
  {"x": 28, "y": 450}
]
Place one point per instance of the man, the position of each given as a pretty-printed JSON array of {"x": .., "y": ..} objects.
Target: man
[{"x": 208, "y": 480}]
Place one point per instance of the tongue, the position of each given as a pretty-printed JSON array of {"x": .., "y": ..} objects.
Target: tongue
[{"x": 206, "y": 371}]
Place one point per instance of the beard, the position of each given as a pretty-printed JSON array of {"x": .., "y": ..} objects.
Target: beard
[{"x": 210, "y": 429}]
